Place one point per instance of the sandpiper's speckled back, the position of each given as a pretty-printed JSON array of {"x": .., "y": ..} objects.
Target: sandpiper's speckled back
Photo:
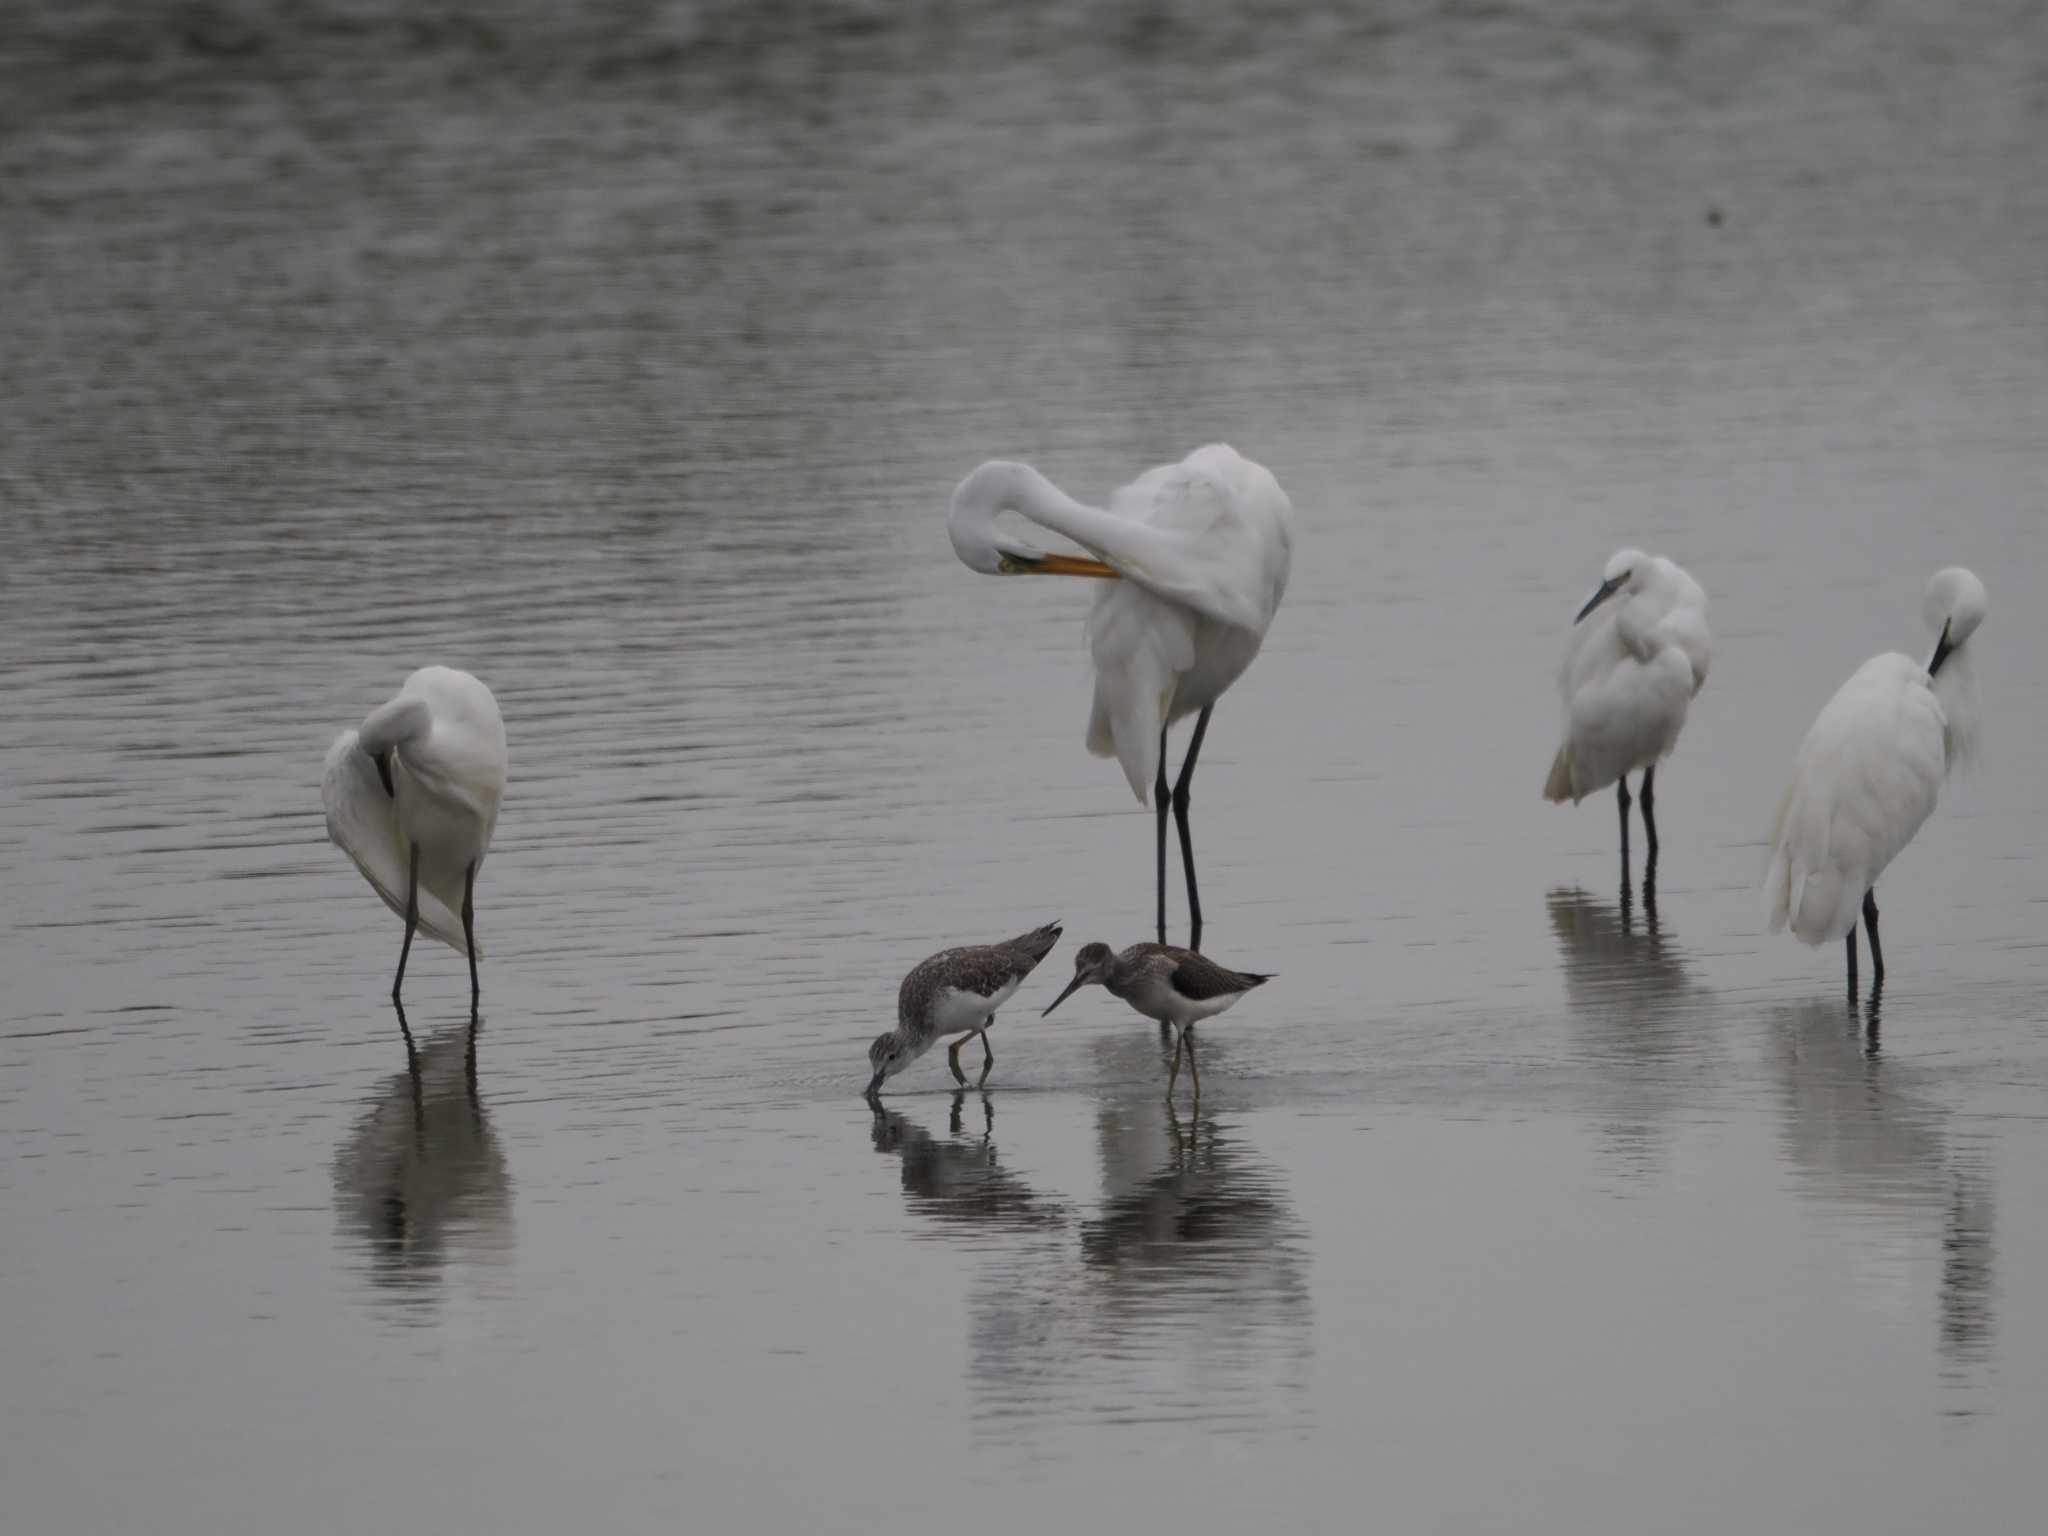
[{"x": 982, "y": 969}]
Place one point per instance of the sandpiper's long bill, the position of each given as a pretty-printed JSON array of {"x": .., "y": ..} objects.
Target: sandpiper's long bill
[{"x": 956, "y": 992}]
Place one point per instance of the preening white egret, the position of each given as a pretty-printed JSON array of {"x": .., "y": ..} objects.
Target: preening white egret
[
  {"x": 412, "y": 797},
  {"x": 1869, "y": 772},
  {"x": 1638, "y": 653},
  {"x": 1203, "y": 548}
]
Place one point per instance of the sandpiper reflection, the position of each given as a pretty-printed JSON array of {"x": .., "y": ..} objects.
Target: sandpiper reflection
[
  {"x": 1861, "y": 1141},
  {"x": 958, "y": 1179},
  {"x": 420, "y": 1184},
  {"x": 1188, "y": 1296}
]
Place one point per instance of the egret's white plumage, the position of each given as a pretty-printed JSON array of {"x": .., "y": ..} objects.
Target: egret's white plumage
[
  {"x": 1870, "y": 770},
  {"x": 441, "y": 741},
  {"x": 1631, "y": 670},
  {"x": 1203, "y": 548}
]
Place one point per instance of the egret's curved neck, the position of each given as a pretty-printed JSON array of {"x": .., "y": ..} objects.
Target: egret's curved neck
[
  {"x": 1001, "y": 486},
  {"x": 404, "y": 719}
]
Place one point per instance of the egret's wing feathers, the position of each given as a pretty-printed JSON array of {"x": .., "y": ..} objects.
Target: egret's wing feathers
[
  {"x": 363, "y": 821},
  {"x": 1866, "y": 780},
  {"x": 1210, "y": 537},
  {"x": 1213, "y": 533},
  {"x": 1141, "y": 643}
]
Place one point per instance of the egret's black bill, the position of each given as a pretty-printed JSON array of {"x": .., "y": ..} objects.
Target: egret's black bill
[
  {"x": 1607, "y": 590},
  {"x": 1941, "y": 652}
]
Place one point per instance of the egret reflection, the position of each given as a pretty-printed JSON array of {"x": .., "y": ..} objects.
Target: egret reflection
[
  {"x": 1861, "y": 1141},
  {"x": 1633, "y": 1002},
  {"x": 420, "y": 1184}
]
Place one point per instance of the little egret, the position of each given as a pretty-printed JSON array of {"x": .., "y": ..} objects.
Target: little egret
[
  {"x": 412, "y": 797},
  {"x": 1868, "y": 773},
  {"x": 1630, "y": 673},
  {"x": 1203, "y": 548}
]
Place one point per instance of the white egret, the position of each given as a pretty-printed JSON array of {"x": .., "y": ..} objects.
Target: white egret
[
  {"x": 413, "y": 797},
  {"x": 1869, "y": 772},
  {"x": 1628, "y": 678},
  {"x": 1203, "y": 548}
]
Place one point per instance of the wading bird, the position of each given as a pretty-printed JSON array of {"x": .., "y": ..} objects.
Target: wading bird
[
  {"x": 413, "y": 797},
  {"x": 956, "y": 992},
  {"x": 1638, "y": 654},
  {"x": 1175, "y": 986},
  {"x": 1202, "y": 548},
  {"x": 1869, "y": 772}
]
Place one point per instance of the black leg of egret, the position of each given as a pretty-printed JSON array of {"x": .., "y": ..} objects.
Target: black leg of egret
[
  {"x": 1180, "y": 816},
  {"x": 412, "y": 921},
  {"x": 412, "y": 1056},
  {"x": 1876, "y": 949},
  {"x": 1649, "y": 800},
  {"x": 1159, "y": 798},
  {"x": 469, "y": 935},
  {"x": 988, "y": 1059},
  {"x": 1621, "y": 788}
]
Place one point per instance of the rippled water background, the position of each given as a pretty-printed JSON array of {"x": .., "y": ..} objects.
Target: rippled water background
[{"x": 626, "y": 355}]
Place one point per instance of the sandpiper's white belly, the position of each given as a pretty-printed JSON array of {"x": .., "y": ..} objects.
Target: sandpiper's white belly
[
  {"x": 1159, "y": 1001},
  {"x": 957, "y": 1011}
]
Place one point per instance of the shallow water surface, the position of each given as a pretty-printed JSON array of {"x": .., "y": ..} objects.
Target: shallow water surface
[{"x": 629, "y": 363}]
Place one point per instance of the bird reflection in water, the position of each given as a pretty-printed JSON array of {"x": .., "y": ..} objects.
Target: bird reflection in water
[
  {"x": 1874, "y": 1152},
  {"x": 1189, "y": 1296},
  {"x": 1632, "y": 999},
  {"x": 958, "y": 1179},
  {"x": 421, "y": 1181}
]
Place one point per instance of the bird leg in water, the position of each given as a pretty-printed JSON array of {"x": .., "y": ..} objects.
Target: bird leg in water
[
  {"x": 988, "y": 1060},
  {"x": 1173, "y": 1072},
  {"x": 953, "y": 1059},
  {"x": 1159, "y": 799},
  {"x": 412, "y": 921},
  {"x": 1194, "y": 1066},
  {"x": 1180, "y": 816},
  {"x": 1649, "y": 800},
  {"x": 1621, "y": 787},
  {"x": 469, "y": 938},
  {"x": 1876, "y": 949},
  {"x": 1851, "y": 941}
]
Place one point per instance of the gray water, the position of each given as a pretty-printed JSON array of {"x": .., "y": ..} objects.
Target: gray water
[{"x": 626, "y": 356}]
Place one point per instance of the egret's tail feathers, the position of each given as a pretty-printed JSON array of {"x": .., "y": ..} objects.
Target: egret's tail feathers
[
  {"x": 1037, "y": 943},
  {"x": 1558, "y": 787},
  {"x": 1816, "y": 904},
  {"x": 1124, "y": 725},
  {"x": 362, "y": 820}
]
